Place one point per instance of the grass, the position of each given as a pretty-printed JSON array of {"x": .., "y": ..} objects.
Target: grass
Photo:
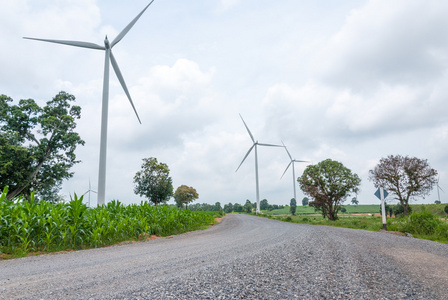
[
  {"x": 307, "y": 210},
  {"x": 30, "y": 226},
  {"x": 425, "y": 222}
]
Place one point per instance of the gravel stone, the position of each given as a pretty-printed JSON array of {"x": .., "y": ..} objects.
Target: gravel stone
[{"x": 244, "y": 257}]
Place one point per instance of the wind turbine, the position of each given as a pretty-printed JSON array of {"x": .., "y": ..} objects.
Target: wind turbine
[
  {"x": 90, "y": 190},
  {"x": 255, "y": 144},
  {"x": 438, "y": 189},
  {"x": 105, "y": 103},
  {"x": 293, "y": 171}
]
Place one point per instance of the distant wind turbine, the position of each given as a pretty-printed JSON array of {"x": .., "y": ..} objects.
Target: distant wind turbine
[
  {"x": 293, "y": 171},
  {"x": 255, "y": 144},
  {"x": 438, "y": 189},
  {"x": 109, "y": 57},
  {"x": 90, "y": 190}
]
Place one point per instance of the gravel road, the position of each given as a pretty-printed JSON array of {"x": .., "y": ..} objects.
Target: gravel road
[{"x": 242, "y": 257}]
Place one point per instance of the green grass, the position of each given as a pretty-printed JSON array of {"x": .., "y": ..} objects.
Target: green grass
[
  {"x": 44, "y": 227},
  {"x": 425, "y": 221},
  {"x": 303, "y": 210}
]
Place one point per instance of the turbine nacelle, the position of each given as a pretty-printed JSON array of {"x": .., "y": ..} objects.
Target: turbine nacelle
[{"x": 106, "y": 43}]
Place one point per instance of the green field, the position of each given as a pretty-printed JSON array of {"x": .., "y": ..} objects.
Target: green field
[
  {"x": 437, "y": 209},
  {"x": 428, "y": 221},
  {"x": 307, "y": 210}
]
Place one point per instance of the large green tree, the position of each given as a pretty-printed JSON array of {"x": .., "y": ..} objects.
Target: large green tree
[
  {"x": 153, "y": 181},
  {"x": 184, "y": 195},
  {"x": 404, "y": 177},
  {"x": 37, "y": 144},
  {"x": 328, "y": 183}
]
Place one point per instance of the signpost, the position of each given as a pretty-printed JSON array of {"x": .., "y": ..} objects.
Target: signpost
[{"x": 382, "y": 194}]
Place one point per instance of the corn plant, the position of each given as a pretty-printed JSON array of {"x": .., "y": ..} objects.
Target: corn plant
[{"x": 28, "y": 225}]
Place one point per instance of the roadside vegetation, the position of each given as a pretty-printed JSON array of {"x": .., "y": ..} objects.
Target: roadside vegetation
[
  {"x": 426, "y": 221},
  {"x": 31, "y": 226}
]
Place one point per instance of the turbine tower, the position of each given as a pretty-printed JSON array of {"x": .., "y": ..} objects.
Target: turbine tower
[
  {"x": 293, "y": 171},
  {"x": 255, "y": 144},
  {"x": 109, "y": 57}
]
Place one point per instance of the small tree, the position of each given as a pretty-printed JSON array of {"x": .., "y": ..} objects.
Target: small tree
[
  {"x": 237, "y": 207},
  {"x": 293, "y": 206},
  {"x": 184, "y": 195},
  {"x": 437, "y": 202},
  {"x": 264, "y": 205},
  {"x": 305, "y": 201},
  {"x": 355, "y": 201},
  {"x": 228, "y": 208},
  {"x": 405, "y": 177},
  {"x": 153, "y": 181},
  {"x": 329, "y": 183},
  {"x": 247, "y": 207}
]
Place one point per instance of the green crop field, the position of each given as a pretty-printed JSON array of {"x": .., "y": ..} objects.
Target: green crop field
[{"x": 41, "y": 226}]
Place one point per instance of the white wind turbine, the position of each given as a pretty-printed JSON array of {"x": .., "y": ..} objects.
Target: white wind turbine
[
  {"x": 89, "y": 191},
  {"x": 255, "y": 144},
  {"x": 293, "y": 171},
  {"x": 109, "y": 57},
  {"x": 438, "y": 189}
]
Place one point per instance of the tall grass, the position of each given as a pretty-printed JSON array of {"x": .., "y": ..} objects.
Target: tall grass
[{"x": 41, "y": 226}]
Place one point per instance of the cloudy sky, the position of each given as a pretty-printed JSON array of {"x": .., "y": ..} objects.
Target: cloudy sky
[{"x": 350, "y": 80}]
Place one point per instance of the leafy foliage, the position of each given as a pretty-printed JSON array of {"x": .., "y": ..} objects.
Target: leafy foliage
[
  {"x": 37, "y": 144},
  {"x": 43, "y": 226},
  {"x": 293, "y": 206},
  {"x": 184, "y": 195},
  {"x": 328, "y": 183},
  {"x": 153, "y": 181},
  {"x": 405, "y": 177},
  {"x": 305, "y": 201}
]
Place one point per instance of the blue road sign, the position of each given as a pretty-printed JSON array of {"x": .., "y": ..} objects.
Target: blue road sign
[{"x": 378, "y": 195}]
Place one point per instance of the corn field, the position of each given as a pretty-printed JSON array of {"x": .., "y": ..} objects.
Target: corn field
[{"x": 41, "y": 226}]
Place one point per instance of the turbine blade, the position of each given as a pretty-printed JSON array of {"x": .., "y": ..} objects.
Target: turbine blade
[
  {"x": 286, "y": 169},
  {"x": 269, "y": 145},
  {"x": 250, "y": 133},
  {"x": 440, "y": 188},
  {"x": 123, "y": 84},
  {"x": 295, "y": 160},
  {"x": 287, "y": 150},
  {"x": 127, "y": 28},
  {"x": 70, "y": 43},
  {"x": 250, "y": 149}
]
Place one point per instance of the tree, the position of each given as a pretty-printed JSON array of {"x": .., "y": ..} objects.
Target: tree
[
  {"x": 37, "y": 144},
  {"x": 305, "y": 201},
  {"x": 153, "y": 181},
  {"x": 237, "y": 207},
  {"x": 438, "y": 202},
  {"x": 355, "y": 201},
  {"x": 247, "y": 207},
  {"x": 185, "y": 194},
  {"x": 217, "y": 206},
  {"x": 292, "y": 206},
  {"x": 328, "y": 183},
  {"x": 264, "y": 205},
  {"x": 228, "y": 208},
  {"x": 404, "y": 177}
]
